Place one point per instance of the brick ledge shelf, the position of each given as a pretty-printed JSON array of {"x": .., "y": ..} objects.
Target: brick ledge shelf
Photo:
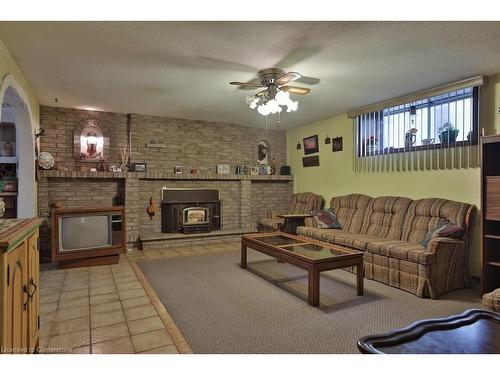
[
  {"x": 151, "y": 240},
  {"x": 159, "y": 176}
]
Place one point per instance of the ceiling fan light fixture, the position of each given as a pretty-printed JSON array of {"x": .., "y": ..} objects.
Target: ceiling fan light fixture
[
  {"x": 292, "y": 106},
  {"x": 263, "y": 110},
  {"x": 273, "y": 106},
  {"x": 282, "y": 97}
]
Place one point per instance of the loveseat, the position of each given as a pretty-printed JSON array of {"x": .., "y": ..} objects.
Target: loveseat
[{"x": 389, "y": 231}]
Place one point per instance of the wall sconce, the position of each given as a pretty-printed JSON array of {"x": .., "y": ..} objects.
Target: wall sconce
[
  {"x": 299, "y": 146},
  {"x": 328, "y": 140}
]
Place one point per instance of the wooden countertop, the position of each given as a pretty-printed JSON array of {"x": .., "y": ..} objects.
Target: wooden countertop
[
  {"x": 14, "y": 231},
  {"x": 8, "y": 194}
]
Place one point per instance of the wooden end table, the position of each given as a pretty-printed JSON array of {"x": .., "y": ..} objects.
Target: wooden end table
[
  {"x": 311, "y": 255},
  {"x": 474, "y": 331},
  {"x": 293, "y": 221}
]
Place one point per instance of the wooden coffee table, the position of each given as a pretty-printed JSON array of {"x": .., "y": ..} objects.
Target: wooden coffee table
[{"x": 311, "y": 255}]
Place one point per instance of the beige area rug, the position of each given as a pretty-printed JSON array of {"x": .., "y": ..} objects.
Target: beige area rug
[{"x": 221, "y": 308}]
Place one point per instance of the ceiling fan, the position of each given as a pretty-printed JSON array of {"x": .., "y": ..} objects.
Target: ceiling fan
[
  {"x": 276, "y": 92},
  {"x": 277, "y": 78}
]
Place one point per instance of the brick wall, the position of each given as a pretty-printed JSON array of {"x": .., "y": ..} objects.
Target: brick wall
[
  {"x": 59, "y": 124},
  {"x": 190, "y": 144},
  {"x": 269, "y": 195}
]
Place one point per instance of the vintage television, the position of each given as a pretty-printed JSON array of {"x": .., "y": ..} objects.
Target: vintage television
[{"x": 87, "y": 236}]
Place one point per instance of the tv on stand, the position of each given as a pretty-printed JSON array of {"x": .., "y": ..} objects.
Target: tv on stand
[{"x": 88, "y": 236}]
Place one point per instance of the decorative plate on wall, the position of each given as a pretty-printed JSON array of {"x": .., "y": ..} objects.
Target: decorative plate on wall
[{"x": 46, "y": 160}]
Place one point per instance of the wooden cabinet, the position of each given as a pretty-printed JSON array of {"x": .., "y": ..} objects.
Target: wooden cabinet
[
  {"x": 490, "y": 225},
  {"x": 19, "y": 291},
  {"x": 33, "y": 283}
]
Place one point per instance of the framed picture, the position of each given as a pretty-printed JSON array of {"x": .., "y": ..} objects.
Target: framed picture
[
  {"x": 311, "y": 145},
  {"x": 223, "y": 169},
  {"x": 310, "y": 161},
  {"x": 178, "y": 169},
  {"x": 254, "y": 171},
  {"x": 139, "y": 167},
  {"x": 337, "y": 144}
]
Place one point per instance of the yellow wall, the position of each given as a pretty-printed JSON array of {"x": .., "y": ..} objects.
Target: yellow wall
[
  {"x": 11, "y": 76},
  {"x": 9, "y": 66},
  {"x": 336, "y": 176}
]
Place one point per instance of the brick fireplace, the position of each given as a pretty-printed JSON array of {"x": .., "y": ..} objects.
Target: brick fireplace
[{"x": 194, "y": 145}]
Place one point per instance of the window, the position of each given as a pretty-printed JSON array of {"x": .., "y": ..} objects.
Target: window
[{"x": 437, "y": 122}]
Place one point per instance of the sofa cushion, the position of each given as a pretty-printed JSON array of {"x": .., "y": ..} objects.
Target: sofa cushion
[
  {"x": 350, "y": 211},
  {"x": 326, "y": 219},
  {"x": 424, "y": 214},
  {"x": 271, "y": 223},
  {"x": 337, "y": 236},
  {"x": 409, "y": 251},
  {"x": 443, "y": 229},
  {"x": 319, "y": 234},
  {"x": 384, "y": 217}
]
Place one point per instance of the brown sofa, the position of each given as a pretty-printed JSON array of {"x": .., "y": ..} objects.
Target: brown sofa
[
  {"x": 389, "y": 231},
  {"x": 302, "y": 203}
]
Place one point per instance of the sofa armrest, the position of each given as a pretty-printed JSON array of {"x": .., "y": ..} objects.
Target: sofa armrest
[
  {"x": 273, "y": 214},
  {"x": 310, "y": 222},
  {"x": 438, "y": 244}
]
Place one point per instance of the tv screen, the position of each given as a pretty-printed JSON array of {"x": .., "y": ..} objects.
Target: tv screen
[{"x": 84, "y": 232}]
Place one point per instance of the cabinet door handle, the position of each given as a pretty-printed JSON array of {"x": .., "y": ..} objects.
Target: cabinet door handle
[
  {"x": 25, "y": 290},
  {"x": 36, "y": 287}
]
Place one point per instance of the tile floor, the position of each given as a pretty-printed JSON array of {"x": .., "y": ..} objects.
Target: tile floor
[{"x": 111, "y": 309}]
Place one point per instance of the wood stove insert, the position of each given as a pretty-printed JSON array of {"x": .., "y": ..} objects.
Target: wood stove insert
[{"x": 190, "y": 210}]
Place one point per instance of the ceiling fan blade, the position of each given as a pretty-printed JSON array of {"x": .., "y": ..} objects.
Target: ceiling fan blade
[
  {"x": 296, "y": 56},
  {"x": 296, "y": 90},
  {"x": 246, "y": 85},
  {"x": 287, "y": 77},
  {"x": 308, "y": 80}
]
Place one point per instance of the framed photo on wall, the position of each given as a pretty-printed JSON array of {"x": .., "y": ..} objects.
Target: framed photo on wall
[{"x": 311, "y": 145}]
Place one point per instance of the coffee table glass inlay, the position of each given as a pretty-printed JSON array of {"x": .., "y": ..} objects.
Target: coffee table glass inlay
[{"x": 314, "y": 256}]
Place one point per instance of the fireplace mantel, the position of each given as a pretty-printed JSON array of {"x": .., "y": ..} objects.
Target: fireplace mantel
[{"x": 161, "y": 176}]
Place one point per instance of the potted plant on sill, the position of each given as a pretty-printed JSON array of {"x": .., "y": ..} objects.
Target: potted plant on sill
[{"x": 448, "y": 134}]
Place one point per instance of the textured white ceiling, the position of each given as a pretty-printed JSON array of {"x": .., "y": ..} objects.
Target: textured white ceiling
[{"x": 182, "y": 69}]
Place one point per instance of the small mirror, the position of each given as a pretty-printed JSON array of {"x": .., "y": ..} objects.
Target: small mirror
[{"x": 262, "y": 152}]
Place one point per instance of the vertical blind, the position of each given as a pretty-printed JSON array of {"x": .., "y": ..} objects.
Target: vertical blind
[{"x": 440, "y": 131}]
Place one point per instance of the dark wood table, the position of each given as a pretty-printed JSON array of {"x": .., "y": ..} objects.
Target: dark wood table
[
  {"x": 311, "y": 255},
  {"x": 472, "y": 332},
  {"x": 293, "y": 221}
]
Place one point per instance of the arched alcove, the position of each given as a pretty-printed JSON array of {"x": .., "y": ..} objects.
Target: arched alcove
[{"x": 13, "y": 96}]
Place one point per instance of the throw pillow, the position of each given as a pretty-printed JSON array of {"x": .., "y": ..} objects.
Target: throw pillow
[
  {"x": 444, "y": 228},
  {"x": 326, "y": 219}
]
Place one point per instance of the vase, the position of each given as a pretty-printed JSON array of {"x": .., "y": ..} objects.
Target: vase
[
  {"x": 7, "y": 149},
  {"x": 410, "y": 139}
]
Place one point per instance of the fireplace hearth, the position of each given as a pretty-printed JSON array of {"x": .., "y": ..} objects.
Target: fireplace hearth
[{"x": 190, "y": 210}]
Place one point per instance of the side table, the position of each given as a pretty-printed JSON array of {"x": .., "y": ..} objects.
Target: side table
[{"x": 292, "y": 221}]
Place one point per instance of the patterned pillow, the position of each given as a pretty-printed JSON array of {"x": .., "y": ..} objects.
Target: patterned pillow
[
  {"x": 444, "y": 228},
  {"x": 326, "y": 219}
]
